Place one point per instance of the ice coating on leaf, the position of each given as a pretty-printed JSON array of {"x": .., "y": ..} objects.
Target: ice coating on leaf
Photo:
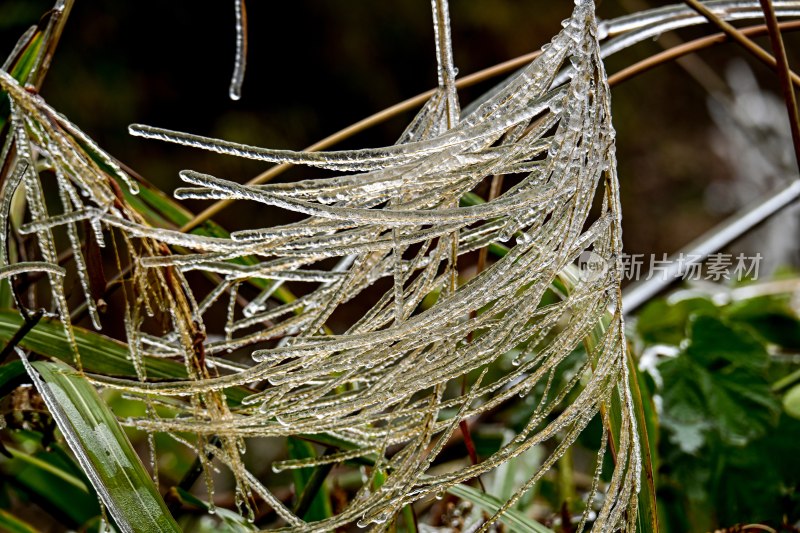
[
  {"x": 385, "y": 387},
  {"x": 561, "y": 153}
]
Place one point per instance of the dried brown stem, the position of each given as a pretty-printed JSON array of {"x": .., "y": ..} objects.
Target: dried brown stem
[
  {"x": 734, "y": 33},
  {"x": 784, "y": 74},
  {"x": 690, "y": 47}
]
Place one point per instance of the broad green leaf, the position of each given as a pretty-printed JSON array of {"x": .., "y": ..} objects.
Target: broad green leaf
[
  {"x": 515, "y": 520},
  {"x": 684, "y": 404},
  {"x": 718, "y": 383},
  {"x": 734, "y": 485},
  {"x": 102, "y": 449},
  {"x": 771, "y": 317},
  {"x": 743, "y": 405},
  {"x": 715, "y": 343},
  {"x": 738, "y": 405},
  {"x": 726, "y": 461},
  {"x": 663, "y": 323},
  {"x": 732, "y": 378}
]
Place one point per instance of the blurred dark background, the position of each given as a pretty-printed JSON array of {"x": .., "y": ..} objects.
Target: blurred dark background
[{"x": 317, "y": 66}]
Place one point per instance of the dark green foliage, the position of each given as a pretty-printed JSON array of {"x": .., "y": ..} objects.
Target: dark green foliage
[{"x": 727, "y": 453}]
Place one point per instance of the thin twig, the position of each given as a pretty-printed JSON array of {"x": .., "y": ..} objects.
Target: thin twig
[
  {"x": 738, "y": 36},
  {"x": 784, "y": 74},
  {"x": 690, "y": 47},
  {"x": 24, "y": 329},
  {"x": 191, "y": 475},
  {"x": 694, "y": 65}
]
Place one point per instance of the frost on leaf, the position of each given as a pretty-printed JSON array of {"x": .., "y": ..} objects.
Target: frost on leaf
[{"x": 388, "y": 388}]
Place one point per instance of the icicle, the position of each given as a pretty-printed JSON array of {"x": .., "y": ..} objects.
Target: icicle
[{"x": 240, "y": 61}]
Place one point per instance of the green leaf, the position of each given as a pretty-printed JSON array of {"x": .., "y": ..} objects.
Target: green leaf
[
  {"x": 718, "y": 383},
  {"x": 320, "y": 507},
  {"x": 743, "y": 406},
  {"x": 12, "y": 524},
  {"x": 771, "y": 317},
  {"x": 231, "y": 522},
  {"x": 715, "y": 343},
  {"x": 664, "y": 323},
  {"x": 409, "y": 519},
  {"x": 791, "y": 402},
  {"x": 10, "y": 376},
  {"x": 99, "y": 354},
  {"x": 515, "y": 520},
  {"x": 102, "y": 449},
  {"x": 733, "y": 485},
  {"x": 647, "y": 429},
  {"x": 684, "y": 404},
  {"x": 21, "y": 68},
  {"x": 45, "y": 478}
]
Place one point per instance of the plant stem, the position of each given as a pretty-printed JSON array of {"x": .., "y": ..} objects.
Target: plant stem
[
  {"x": 673, "y": 53},
  {"x": 734, "y": 33},
  {"x": 784, "y": 74},
  {"x": 24, "y": 329},
  {"x": 55, "y": 30}
]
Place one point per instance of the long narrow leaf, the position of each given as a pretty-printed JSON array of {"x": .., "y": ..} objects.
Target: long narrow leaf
[
  {"x": 44, "y": 479},
  {"x": 12, "y": 524},
  {"x": 320, "y": 507},
  {"x": 515, "y": 520},
  {"x": 102, "y": 449},
  {"x": 231, "y": 522}
]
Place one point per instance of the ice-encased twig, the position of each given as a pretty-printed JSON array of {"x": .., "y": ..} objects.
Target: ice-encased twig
[{"x": 240, "y": 60}]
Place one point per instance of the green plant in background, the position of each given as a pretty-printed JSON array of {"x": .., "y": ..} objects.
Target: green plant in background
[
  {"x": 481, "y": 354},
  {"x": 727, "y": 443}
]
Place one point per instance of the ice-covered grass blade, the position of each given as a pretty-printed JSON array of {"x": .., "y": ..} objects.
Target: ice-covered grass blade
[
  {"x": 511, "y": 518},
  {"x": 101, "y": 448}
]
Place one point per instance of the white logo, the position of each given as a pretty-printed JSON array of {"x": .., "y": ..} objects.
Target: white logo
[{"x": 591, "y": 265}]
